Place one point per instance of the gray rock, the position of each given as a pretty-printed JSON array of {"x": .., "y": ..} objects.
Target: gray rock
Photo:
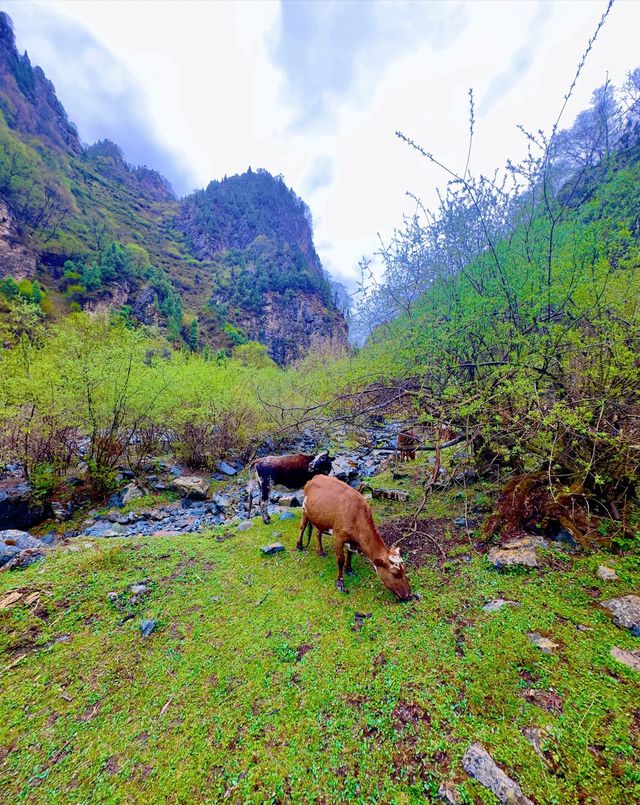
[
  {"x": 104, "y": 531},
  {"x": 147, "y": 626},
  {"x": 59, "y": 511},
  {"x": 222, "y": 501},
  {"x": 447, "y": 793},
  {"x": 129, "y": 493},
  {"x": 605, "y": 573},
  {"x": 287, "y": 515},
  {"x": 19, "y": 549},
  {"x": 498, "y": 603},
  {"x": 290, "y": 501},
  {"x": 520, "y": 552},
  {"x": 191, "y": 487},
  {"x": 245, "y": 525},
  {"x": 390, "y": 494},
  {"x": 275, "y": 547},
  {"x": 478, "y": 763},
  {"x": 227, "y": 469},
  {"x": 139, "y": 589},
  {"x": 625, "y": 612},
  {"x": 629, "y": 658},
  {"x": 18, "y": 506},
  {"x": 543, "y": 643},
  {"x": 344, "y": 468}
]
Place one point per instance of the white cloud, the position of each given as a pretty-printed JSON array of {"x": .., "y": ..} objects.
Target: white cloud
[{"x": 215, "y": 81}]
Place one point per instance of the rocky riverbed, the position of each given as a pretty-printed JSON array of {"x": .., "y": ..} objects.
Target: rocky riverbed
[{"x": 205, "y": 500}]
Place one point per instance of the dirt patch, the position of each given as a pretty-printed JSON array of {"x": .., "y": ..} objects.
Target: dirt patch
[
  {"x": 112, "y": 765},
  {"x": 90, "y": 712},
  {"x": 405, "y": 713},
  {"x": 302, "y": 649},
  {"x": 548, "y": 700},
  {"x": 429, "y": 537}
]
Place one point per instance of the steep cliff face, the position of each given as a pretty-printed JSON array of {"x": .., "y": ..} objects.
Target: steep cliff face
[
  {"x": 100, "y": 234},
  {"x": 290, "y": 325}
]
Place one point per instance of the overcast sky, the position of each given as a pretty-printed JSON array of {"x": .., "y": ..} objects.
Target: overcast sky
[{"x": 316, "y": 90}]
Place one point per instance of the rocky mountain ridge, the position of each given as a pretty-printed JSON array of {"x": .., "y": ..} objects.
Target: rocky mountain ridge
[{"x": 238, "y": 256}]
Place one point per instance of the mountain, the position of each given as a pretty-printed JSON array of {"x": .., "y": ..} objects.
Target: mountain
[{"x": 233, "y": 262}]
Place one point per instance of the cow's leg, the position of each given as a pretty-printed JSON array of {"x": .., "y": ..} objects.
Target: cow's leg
[
  {"x": 340, "y": 558},
  {"x": 319, "y": 541},
  {"x": 265, "y": 488},
  {"x": 305, "y": 523},
  {"x": 347, "y": 566}
]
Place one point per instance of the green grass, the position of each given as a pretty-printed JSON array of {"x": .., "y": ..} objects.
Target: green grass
[{"x": 256, "y": 687}]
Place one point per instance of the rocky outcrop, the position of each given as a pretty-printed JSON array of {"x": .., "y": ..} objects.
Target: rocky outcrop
[
  {"x": 290, "y": 324},
  {"x": 16, "y": 259},
  {"x": 18, "y": 506}
]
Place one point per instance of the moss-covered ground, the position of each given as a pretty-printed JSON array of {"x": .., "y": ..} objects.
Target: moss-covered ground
[{"x": 260, "y": 684}]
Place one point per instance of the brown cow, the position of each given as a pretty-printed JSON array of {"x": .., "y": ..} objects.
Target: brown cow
[
  {"x": 292, "y": 471},
  {"x": 406, "y": 443},
  {"x": 330, "y": 504}
]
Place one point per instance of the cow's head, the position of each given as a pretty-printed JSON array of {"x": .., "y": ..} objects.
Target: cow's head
[
  {"x": 321, "y": 464},
  {"x": 393, "y": 575}
]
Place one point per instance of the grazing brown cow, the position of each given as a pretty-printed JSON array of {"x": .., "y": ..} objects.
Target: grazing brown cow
[
  {"x": 330, "y": 504},
  {"x": 292, "y": 471},
  {"x": 406, "y": 443}
]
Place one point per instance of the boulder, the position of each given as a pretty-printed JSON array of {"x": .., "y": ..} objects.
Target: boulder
[
  {"x": 520, "y": 551},
  {"x": 18, "y": 507},
  {"x": 625, "y": 612},
  {"x": 390, "y": 494},
  {"x": 245, "y": 525},
  {"x": 19, "y": 549},
  {"x": 227, "y": 469},
  {"x": 191, "y": 487},
  {"x": 478, "y": 763},
  {"x": 130, "y": 492},
  {"x": 345, "y": 469},
  {"x": 286, "y": 515}
]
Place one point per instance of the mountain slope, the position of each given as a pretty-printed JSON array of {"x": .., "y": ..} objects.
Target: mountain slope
[{"x": 238, "y": 256}]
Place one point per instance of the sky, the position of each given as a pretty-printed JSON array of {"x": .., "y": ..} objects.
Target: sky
[{"x": 315, "y": 91}]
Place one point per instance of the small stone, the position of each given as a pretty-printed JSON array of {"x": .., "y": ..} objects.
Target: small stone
[
  {"x": 274, "y": 547},
  {"x": 498, "y": 603},
  {"x": 227, "y": 469},
  {"x": 628, "y": 658},
  {"x": 138, "y": 589},
  {"x": 543, "y": 643},
  {"x": 112, "y": 596},
  {"x": 605, "y": 573},
  {"x": 286, "y": 515},
  {"x": 478, "y": 763},
  {"x": 290, "y": 501},
  {"x": 390, "y": 494},
  {"x": 448, "y": 793},
  {"x": 222, "y": 501},
  {"x": 625, "y": 612},
  {"x": 147, "y": 626},
  {"x": 245, "y": 525}
]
